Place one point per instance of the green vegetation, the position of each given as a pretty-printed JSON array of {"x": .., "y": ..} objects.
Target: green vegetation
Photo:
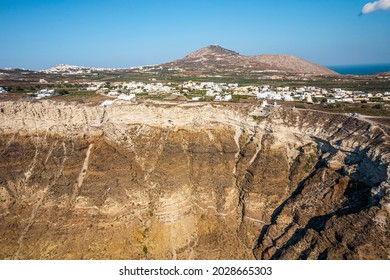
[
  {"x": 239, "y": 96},
  {"x": 307, "y": 167},
  {"x": 378, "y": 110},
  {"x": 62, "y": 91},
  {"x": 346, "y": 108},
  {"x": 258, "y": 118},
  {"x": 310, "y": 163},
  {"x": 80, "y": 93}
]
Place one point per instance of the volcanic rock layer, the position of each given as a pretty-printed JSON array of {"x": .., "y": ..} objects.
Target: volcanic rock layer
[{"x": 172, "y": 181}]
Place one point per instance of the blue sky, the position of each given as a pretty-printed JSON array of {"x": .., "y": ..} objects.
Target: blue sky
[{"x": 38, "y": 34}]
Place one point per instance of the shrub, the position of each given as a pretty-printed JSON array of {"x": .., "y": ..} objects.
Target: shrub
[
  {"x": 258, "y": 118},
  {"x": 62, "y": 91}
]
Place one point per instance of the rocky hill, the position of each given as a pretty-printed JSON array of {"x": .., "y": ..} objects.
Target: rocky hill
[
  {"x": 217, "y": 59},
  {"x": 190, "y": 181}
]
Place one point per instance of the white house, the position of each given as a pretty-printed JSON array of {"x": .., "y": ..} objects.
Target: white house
[
  {"x": 92, "y": 88},
  {"x": 227, "y": 97},
  {"x": 210, "y": 93},
  {"x": 113, "y": 93},
  {"x": 44, "y": 93},
  {"x": 127, "y": 97},
  {"x": 223, "y": 98},
  {"x": 349, "y": 100},
  {"x": 287, "y": 97}
]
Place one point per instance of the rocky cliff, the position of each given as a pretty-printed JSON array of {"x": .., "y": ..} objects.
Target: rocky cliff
[{"x": 169, "y": 181}]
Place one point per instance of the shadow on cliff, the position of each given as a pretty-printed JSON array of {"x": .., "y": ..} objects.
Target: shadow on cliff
[{"x": 363, "y": 192}]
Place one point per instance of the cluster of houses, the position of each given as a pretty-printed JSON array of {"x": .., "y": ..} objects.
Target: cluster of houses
[
  {"x": 219, "y": 92},
  {"x": 43, "y": 93},
  {"x": 197, "y": 91},
  {"x": 141, "y": 88},
  {"x": 122, "y": 96},
  {"x": 310, "y": 93}
]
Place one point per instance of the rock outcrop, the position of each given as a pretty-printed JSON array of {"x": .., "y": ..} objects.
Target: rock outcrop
[{"x": 168, "y": 181}]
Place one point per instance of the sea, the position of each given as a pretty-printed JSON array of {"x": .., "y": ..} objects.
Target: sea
[{"x": 366, "y": 69}]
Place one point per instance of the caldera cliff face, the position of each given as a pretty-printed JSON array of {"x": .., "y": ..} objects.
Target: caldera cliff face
[{"x": 190, "y": 181}]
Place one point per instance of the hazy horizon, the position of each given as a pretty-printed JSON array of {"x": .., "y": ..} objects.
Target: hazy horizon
[{"x": 122, "y": 34}]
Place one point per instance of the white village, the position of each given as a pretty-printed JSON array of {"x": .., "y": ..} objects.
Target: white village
[{"x": 211, "y": 91}]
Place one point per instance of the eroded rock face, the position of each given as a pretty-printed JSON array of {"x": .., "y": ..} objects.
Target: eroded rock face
[{"x": 190, "y": 182}]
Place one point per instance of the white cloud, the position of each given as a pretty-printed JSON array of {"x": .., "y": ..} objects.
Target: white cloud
[{"x": 376, "y": 6}]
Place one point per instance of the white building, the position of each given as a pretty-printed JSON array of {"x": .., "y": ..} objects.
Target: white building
[
  {"x": 44, "y": 93},
  {"x": 113, "y": 93},
  {"x": 283, "y": 89},
  {"x": 227, "y": 97},
  {"x": 269, "y": 95},
  {"x": 287, "y": 97},
  {"x": 95, "y": 86},
  {"x": 349, "y": 100},
  {"x": 223, "y": 98},
  {"x": 210, "y": 93},
  {"x": 127, "y": 97},
  {"x": 265, "y": 88}
]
